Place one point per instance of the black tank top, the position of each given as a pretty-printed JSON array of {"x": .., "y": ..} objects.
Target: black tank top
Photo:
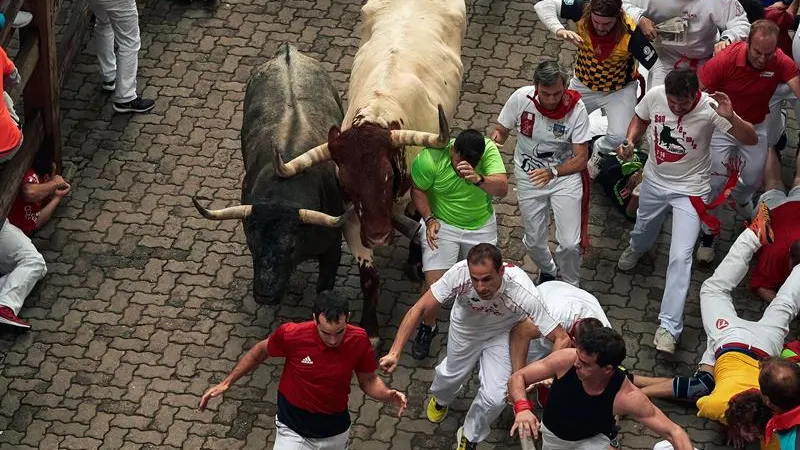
[{"x": 573, "y": 415}]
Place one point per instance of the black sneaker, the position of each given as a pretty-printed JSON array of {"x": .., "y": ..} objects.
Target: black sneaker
[
  {"x": 137, "y": 105},
  {"x": 422, "y": 343},
  {"x": 109, "y": 86},
  {"x": 544, "y": 277}
]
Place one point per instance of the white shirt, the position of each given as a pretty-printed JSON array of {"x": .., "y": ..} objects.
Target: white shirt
[
  {"x": 481, "y": 319},
  {"x": 680, "y": 156},
  {"x": 705, "y": 19},
  {"x": 567, "y": 304},
  {"x": 542, "y": 142}
]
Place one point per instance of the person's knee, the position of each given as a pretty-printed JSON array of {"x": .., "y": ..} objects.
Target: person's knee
[
  {"x": 36, "y": 265},
  {"x": 494, "y": 398},
  {"x": 698, "y": 385}
]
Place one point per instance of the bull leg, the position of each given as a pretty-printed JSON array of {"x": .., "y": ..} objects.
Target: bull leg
[
  {"x": 413, "y": 269},
  {"x": 370, "y": 278},
  {"x": 328, "y": 265}
]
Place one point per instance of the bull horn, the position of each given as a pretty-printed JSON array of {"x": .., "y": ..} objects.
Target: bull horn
[
  {"x": 311, "y": 217},
  {"x": 234, "y": 212},
  {"x": 316, "y": 155},
  {"x": 423, "y": 139},
  {"x": 407, "y": 226}
]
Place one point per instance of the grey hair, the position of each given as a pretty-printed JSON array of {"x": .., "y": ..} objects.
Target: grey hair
[{"x": 547, "y": 73}]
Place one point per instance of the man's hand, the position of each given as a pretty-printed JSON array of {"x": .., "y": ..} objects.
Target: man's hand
[
  {"x": 625, "y": 151},
  {"x": 397, "y": 399},
  {"x": 432, "y": 230},
  {"x": 215, "y": 391},
  {"x": 58, "y": 180},
  {"x": 527, "y": 424},
  {"x": 648, "y": 28},
  {"x": 570, "y": 36},
  {"x": 721, "y": 45},
  {"x": 735, "y": 440},
  {"x": 780, "y": 6},
  {"x": 540, "y": 177},
  {"x": 467, "y": 172},
  {"x": 497, "y": 136},
  {"x": 724, "y": 107},
  {"x": 388, "y": 363},
  {"x": 62, "y": 190}
]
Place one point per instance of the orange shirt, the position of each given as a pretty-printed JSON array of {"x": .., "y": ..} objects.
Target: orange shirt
[{"x": 10, "y": 134}]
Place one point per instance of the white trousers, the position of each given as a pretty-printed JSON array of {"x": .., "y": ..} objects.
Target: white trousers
[
  {"x": 495, "y": 368},
  {"x": 453, "y": 244},
  {"x": 668, "y": 60},
  {"x": 720, "y": 321},
  {"x": 552, "y": 442},
  {"x": 287, "y": 439},
  {"x": 21, "y": 264},
  {"x": 618, "y": 107},
  {"x": 654, "y": 204},
  {"x": 564, "y": 196},
  {"x": 118, "y": 20},
  {"x": 775, "y": 120}
]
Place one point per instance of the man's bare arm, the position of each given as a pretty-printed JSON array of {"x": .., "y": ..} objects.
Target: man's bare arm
[
  {"x": 632, "y": 402},
  {"x": 519, "y": 341},
  {"x": 555, "y": 364},
  {"x": 559, "y": 338}
]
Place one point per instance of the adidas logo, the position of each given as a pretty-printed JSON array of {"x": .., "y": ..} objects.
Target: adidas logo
[{"x": 307, "y": 360}]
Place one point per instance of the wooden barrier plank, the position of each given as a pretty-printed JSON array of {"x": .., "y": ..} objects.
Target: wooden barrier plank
[
  {"x": 72, "y": 40},
  {"x": 10, "y": 10},
  {"x": 15, "y": 168},
  {"x": 26, "y": 60}
]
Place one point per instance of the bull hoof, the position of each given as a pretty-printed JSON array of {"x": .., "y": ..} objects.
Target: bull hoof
[
  {"x": 414, "y": 272},
  {"x": 375, "y": 342}
]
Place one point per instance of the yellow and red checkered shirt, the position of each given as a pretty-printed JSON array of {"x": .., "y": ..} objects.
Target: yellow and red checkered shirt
[{"x": 614, "y": 72}]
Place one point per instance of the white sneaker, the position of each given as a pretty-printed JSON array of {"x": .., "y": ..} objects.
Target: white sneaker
[
  {"x": 593, "y": 165},
  {"x": 22, "y": 19},
  {"x": 705, "y": 251},
  {"x": 664, "y": 341},
  {"x": 629, "y": 259}
]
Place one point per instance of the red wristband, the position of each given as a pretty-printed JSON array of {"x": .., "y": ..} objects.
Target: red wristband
[{"x": 522, "y": 405}]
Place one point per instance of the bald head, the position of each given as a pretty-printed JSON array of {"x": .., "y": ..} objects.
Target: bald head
[{"x": 779, "y": 381}]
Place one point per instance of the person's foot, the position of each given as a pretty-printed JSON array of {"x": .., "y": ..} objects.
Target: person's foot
[
  {"x": 436, "y": 412},
  {"x": 664, "y": 341},
  {"x": 629, "y": 258},
  {"x": 137, "y": 105},
  {"x": 705, "y": 252},
  {"x": 761, "y": 225},
  {"x": 8, "y": 317},
  {"x": 593, "y": 165},
  {"x": 22, "y": 19},
  {"x": 109, "y": 86},
  {"x": 463, "y": 443},
  {"x": 544, "y": 277},
  {"x": 421, "y": 346}
]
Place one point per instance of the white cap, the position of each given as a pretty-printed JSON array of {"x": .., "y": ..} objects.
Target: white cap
[{"x": 664, "y": 445}]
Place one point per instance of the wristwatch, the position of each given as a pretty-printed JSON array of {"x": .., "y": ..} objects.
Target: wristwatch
[
  {"x": 480, "y": 181},
  {"x": 554, "y": 171}
]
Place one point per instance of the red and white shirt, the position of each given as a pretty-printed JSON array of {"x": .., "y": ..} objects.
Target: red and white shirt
[
  {"x": 481, "y": 319},
  {"x": 316, "y": 378},
  {"x": 25, "y": 215},
  {"x": 680, "y": 157}
]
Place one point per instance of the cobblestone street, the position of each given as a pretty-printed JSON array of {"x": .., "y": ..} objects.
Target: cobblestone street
[{"x": 146, "y": 304}]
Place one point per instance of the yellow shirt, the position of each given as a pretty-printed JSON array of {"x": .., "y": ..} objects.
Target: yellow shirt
[{"x": 734, "y": 372}]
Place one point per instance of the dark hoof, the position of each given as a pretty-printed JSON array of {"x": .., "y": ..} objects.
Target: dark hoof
[
  {"x": 272, "y": 301},
  {"x": 414, "y": 272}
]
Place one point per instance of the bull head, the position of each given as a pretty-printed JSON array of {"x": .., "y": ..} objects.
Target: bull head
[
  {"x": 240, "y": 212},
  {"x": 364, "y": 156}
]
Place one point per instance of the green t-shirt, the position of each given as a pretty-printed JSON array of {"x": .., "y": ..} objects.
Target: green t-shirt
[{"x": 454, "y": 200}]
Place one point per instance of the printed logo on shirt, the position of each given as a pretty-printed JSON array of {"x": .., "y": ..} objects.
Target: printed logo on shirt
[
  {"x": 559, "y": 130},
  {"x": 526, "y": 122},
  {"x": 307, "y": 360},
  {"x": 667, "y": 141},
  {"x": 722, "y": 324},
  {"x": 767, "y": 74}
]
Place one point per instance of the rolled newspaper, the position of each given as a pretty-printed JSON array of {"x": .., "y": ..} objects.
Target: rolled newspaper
[
  {"x": 527, "y": 444},
  {"x": 672, "y": 31}
]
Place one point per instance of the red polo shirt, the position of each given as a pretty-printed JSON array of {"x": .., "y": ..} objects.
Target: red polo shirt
[
  {"x": 772, "y": 266},
  {"x": 316, "y": 378},
  {"x": 749, "y": 89}
]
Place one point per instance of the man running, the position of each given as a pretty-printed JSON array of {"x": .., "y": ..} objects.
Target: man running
[
  {"x": 321, "y": 356},
  {"x": 489, "y": 297}
]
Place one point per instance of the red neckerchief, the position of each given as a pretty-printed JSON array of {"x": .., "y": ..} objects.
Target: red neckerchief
[
  {"x": 602, "y": 45},
  {"x": 780, "y": 422},
  {"x": 568, "y": 101}
]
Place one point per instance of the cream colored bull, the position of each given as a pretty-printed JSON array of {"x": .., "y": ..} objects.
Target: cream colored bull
[{"x": 404, "y": 85}]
